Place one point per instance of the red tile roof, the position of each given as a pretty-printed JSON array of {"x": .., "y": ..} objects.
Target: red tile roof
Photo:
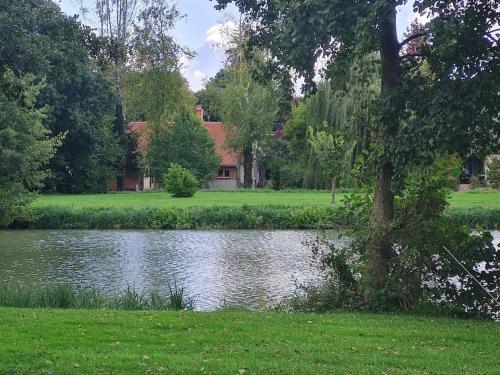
[
  {"x": 219, "y": 135},
  {"x": 215, "y": 129}
]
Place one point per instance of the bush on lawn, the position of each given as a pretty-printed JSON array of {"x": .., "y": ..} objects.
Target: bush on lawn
[{"x": 180, "y": 182}]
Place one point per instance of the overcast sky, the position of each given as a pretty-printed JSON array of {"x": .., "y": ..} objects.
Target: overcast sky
[{"x": 199, "y": 30}]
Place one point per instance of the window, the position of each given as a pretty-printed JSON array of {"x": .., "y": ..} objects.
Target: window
[{"x": 223, "y": 173}]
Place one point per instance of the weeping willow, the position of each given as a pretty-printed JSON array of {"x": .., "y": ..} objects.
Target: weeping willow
[{"x": 345, "y": 105}]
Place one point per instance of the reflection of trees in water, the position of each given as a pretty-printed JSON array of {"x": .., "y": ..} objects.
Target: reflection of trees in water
[{"x": 236, "y": 267}]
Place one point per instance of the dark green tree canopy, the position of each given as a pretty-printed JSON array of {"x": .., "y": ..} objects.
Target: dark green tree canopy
[
  {"x": 25, "y": 144},
  {"x": 36, "y": 38},
  {"x": 185, "y": 142}
]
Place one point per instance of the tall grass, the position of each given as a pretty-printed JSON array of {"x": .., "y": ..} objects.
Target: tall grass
[{"x": 65, "y": 296}]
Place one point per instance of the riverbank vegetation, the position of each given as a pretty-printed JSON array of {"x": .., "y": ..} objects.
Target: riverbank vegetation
[
  {"x": 241, "y": 209},
  {"x": 242, "y": 342},
  {"x": 216, "y": 217},
  {"x": 65, "y": 296}
]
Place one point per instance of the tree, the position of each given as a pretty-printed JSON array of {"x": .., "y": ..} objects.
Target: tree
[
  {"x": 343, "y": 105},
  {"x": 209, "y": 97},
  {"x": 494, "y": 173},
  {"x": 25, "y": 144},
  {"x": 441, "y": 99},
  {"x": 248, "y": 110},
  {"x": 185, "y": 142},
  {"x": 154, "y": 88},
  {"x": 331, "y": 153},
  {"x": 35, "y": 38},
  {"x": 156, "y": 96}
]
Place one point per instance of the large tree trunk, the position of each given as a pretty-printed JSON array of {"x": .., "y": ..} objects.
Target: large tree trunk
[{"x": 380, "y": 250}]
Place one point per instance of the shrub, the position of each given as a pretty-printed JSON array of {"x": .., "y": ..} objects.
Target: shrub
[
  {"x": 180, "y": 182},
  {"x": 420, "y": 273},
  {"x": 494, "y": 173}
]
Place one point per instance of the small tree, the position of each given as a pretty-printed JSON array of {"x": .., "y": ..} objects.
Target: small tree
[
  {"x": 180, "y": 182},
  {"x": 494, "y": 173},
  {"x": 330, "y": 151}
]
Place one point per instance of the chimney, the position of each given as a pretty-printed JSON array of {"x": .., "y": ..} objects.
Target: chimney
[{"x": 199, "y": 111}]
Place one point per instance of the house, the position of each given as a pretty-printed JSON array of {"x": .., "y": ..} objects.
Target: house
[
  {"x": 476, "y": 168},
  {"x": 135, "y": 178},
  {"x": 230, "y": 172}
]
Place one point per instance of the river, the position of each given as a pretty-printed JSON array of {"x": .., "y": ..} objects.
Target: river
[{"x": 247, "y": 268}]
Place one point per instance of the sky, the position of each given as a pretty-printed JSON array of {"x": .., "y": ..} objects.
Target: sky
[{"x": 200, "y": 31}]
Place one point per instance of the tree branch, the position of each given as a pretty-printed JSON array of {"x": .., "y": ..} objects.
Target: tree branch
[{"x": 410, "y": 38}]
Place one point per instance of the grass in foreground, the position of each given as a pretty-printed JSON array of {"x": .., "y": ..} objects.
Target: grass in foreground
[
  {"x": 242, "y": 342},
  {"x": 205, "y": 198}
]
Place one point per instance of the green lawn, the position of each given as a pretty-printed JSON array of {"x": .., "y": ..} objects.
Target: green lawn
[
  {"x": 235, "y": 198},
  {"x": 201, "y": 198},
  {"x": 240, "y": 342}
]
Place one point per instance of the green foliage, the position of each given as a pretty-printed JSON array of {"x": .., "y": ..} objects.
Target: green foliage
[
  {"x": 186, "y": 142},
  {"x": 494, "y": 173},
  {"x": 210, "y": 96},
  {"x": 180, "y": 182},
  {"x": 348, "y": 112},
  {"x": 152, "y": 45},
  {"x": 65, "y": 296},
  {"x": 442, "y": 100},
  {"x": 330, "y": 150},
  {"x": 36, "y": 38},
  {"x": 420, "y": 273},
  {"x": 225, "y": 217},
  {"x": 25, "y": 145},
  {"x": 196, "y": 217},
  {"x": 154, "y": 89},
  {"x": 248, "y": 110},
  {"x": 156, "y": 96}
]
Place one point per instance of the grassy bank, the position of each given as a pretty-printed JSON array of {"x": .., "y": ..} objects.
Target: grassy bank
[
  {"x": 223, "y": 210},
  {"x": 241, "y": 342},
  {"x": 215, "y": 217}
]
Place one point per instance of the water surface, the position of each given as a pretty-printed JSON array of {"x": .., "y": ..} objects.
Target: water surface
[
  {"x": 247, "y": 268},
  {"x": 244, "y": 268}
]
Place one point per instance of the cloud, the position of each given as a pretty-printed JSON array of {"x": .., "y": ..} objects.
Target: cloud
[
  {"x": 209, "y": 58},
  {"x": 219, "y": 35},
  {"x": 190, "y": 71}
]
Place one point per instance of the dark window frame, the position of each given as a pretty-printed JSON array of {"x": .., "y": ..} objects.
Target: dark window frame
[{"x": 223, "y": 174}]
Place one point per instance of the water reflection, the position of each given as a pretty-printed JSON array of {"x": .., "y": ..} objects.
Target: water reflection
[{"x": 243, "y": 268}]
